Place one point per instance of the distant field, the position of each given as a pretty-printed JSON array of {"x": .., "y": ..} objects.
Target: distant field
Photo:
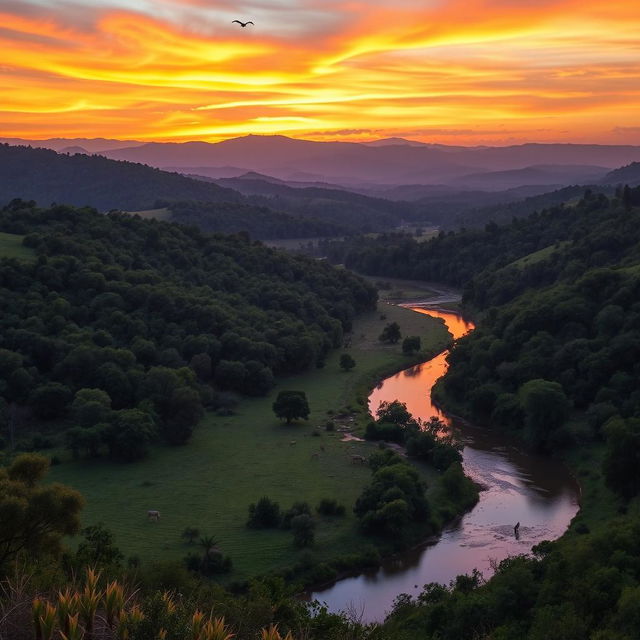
[
  {"x": 536, "y": 256},
  {"x": 392, "y": 289},
  {"x": 233, "y": 461},
  {"x": 11, "y": 247},
  {"x": 157, "y": 214},
  {"x": 292, "y": 244}
]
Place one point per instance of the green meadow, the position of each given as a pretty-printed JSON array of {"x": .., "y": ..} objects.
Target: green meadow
[
  {"x": 233, "y": 461},
  {"x": 11, "y": 247}
]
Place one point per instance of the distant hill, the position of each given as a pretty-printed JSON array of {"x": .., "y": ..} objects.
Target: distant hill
[
  {"x": 624, "y": 175},
  {"x": 350, "y": 163},
  {"x": 89, "y": 145},
  {"x": 354, "y": 210},
  {"x": 550, "y": 175},
  {"x": 46, "y": 176}
]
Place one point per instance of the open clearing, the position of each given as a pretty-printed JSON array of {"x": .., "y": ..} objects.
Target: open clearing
[
  {"x": 233, "y": 461},
  {"x": 156, "y": 214},
  {"x": 11, "y": 247}
]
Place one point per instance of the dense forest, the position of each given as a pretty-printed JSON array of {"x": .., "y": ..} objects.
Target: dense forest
[
  {"x": 132, "y": 326},
  {"x": 260, "y": 222}
]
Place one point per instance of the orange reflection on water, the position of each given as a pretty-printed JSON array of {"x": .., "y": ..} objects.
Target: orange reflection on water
[
  {"x": 456, "y": 324},
  {"x": 413, "y": 386}
]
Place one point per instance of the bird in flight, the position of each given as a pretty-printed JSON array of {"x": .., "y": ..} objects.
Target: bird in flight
[{"x": 242, "y": 24}]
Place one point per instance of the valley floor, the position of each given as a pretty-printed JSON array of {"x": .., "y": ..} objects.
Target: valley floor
[{"x": 233, "y": 461}]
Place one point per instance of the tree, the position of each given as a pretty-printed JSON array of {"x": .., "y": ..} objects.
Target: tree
[
  {"x": 347, "y": 362},
  {"x": 391, "y": 333},
  {"x": 410, "y": 344},
  {"x": 290, "y": 405},
  {"x": 184, "y": 413},
  {"x": 50, "y": 400},
  {"x": 264, "y": 514},
  {"x": 303, "y": 528},
  {"x": 91, "y": 406},
  {"x": 98, "y": 548},
  {"x": 545, "y": 406},
  {"x": 34, "y": 518},
  {"x": 622, "y": 458},
  {"x": 130, "y": 434}
]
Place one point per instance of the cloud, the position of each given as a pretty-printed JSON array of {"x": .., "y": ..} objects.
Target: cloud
[{"x": 441, "y": 70}]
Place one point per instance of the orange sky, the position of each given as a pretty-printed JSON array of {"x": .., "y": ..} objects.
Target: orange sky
[{"x": 448, "y": 71}]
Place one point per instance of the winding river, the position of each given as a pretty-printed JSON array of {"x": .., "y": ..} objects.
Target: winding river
[{"x": 536, "y": 491}]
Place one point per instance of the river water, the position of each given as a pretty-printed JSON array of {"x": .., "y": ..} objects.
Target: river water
[{"x": 536, "y": 491}]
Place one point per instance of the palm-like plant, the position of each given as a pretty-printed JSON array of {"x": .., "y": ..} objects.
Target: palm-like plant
[
  {"x": 215, "y": 629},
  {"x": 272, "y": 633},
  {"x": 74, "y": 631}
]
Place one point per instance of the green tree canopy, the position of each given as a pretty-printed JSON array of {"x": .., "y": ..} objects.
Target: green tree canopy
[
  {"x": 391, "y": 333},
  {"x": 347, "y": 362},
  {"x": 291, "y": 405},
  {"x": 34, "y": 517}
]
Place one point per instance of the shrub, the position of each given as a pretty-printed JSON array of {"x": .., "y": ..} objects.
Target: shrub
[
  {"x": 303, "y": 528},
  {"x": 298, "y": 509},
  {"x": 330, "y": 507},
  {"x": 265, "y": 514}
]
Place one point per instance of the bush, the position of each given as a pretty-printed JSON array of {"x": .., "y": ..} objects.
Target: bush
[
  {"x": 410, "y": 344},
  {"x": 298, "y": 509},
  {"x": 265, "y": 514},
  {"x": 303, "y": 528},
  {"x": 330, "y": 507}
]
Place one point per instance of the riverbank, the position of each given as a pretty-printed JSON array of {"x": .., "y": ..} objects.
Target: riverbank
[
  {"x": 598, "y": 504},
  {"x": 518, "y": 487}
]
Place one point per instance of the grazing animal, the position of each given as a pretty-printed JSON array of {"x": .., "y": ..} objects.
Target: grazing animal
[
  {"x": 242, "y": 24},
  {"x": 360, "y": 459},
  {"x": 153, "y": 515},
  {"x": 292, "y": 443}
]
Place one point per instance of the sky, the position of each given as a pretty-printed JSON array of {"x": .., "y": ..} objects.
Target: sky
[{"x": 461, "y": 72}]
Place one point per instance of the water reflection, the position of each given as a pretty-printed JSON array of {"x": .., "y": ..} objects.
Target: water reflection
[{"x": 534, "y": 491}]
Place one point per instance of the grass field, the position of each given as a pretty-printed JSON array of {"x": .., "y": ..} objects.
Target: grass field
[
  {"x": 536, "y": 256},
  {"x": 233, "y": 461},
  {"x": 156, "y": 214},
  {"x": 11, "y": 247}
]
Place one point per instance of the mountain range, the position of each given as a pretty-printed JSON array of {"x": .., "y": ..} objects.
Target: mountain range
[{"x": 368, "y": 166}]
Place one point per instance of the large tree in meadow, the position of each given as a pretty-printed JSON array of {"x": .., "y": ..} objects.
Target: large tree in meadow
[{"x": 290, "y": 405}]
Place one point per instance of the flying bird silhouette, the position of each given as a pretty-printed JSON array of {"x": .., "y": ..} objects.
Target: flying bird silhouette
[{"x": 242, "y": 24}]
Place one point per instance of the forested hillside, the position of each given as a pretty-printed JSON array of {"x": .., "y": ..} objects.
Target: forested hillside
[
  {"x": 260, "y": 222},
  {"x": 119, "y": 320},
  {"x": 457, "y": 258},
  {"x": 46, "y": 177}
]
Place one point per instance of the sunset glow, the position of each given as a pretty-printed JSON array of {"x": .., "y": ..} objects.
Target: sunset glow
[{"x": 445, "y": 71}]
